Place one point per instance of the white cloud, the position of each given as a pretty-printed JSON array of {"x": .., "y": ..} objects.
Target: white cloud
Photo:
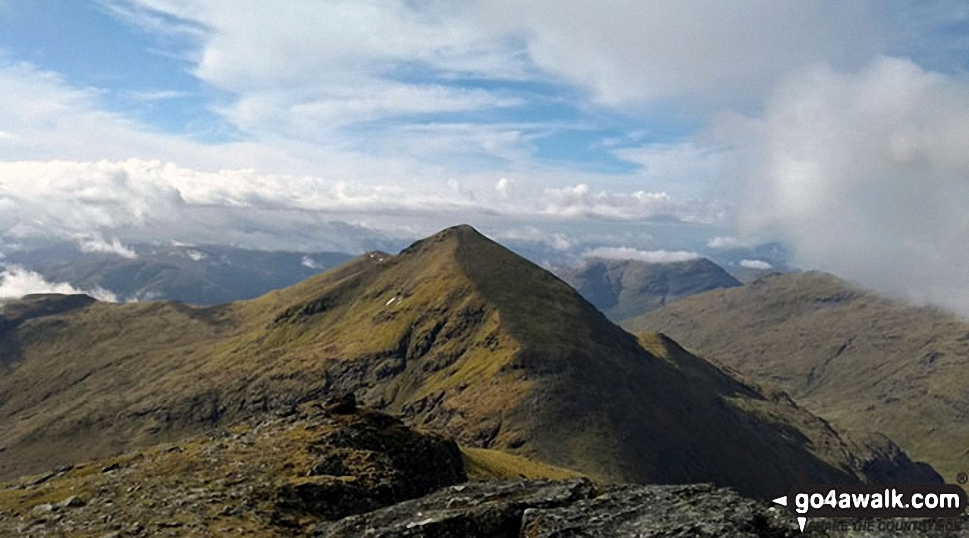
[
  {"x": 307, "y": 68},
  {"x": 323, "y": 58},
  {"x": 631, "y": 51},
  {"x": 865, "y": 175},
  {"x": 685, "y": 169},
  {"x": 648, "y": 256},
  {"x": 160, "y": 95},
  {"x": 195, "y": 255},
  {"x": 583, "y": 201},
  {"x": 309, "y": 262},
  {"x": 148, "y": 200},
  {"x": 502, "y": 187},
  {"x": 15, "y": 282},
  {"x": 531, "y": 234},
  {"x": 96, "y": 243},
  {"x": 730, "y": 242},
  {"x": 756, "y": 264}
]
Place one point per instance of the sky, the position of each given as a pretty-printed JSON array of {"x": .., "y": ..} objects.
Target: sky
[{"x": 637, "y": 128}]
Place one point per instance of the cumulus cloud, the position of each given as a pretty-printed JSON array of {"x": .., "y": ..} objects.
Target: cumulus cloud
[
  {"x": 865, "y": 175},
  {"x": 15, "y": 282},
  {"x": 730, "y": 242},
  {"x": 531, "y": 234},
  {"x": 307, "y": 67},
  {"x": 309, "y": 263},
  {"x": 648, "y": 256},
  {"x": 97, "y": 243},
  {"x": 686, "y": 169},
  {"x": 716, "y": 51},
  {"x": 583, "y": 201},
  {"x": 756, "y": 264},
  {"x": 139, "y": 200},
  {"x": 195, "y": 255},
  {"x": 502, "y": 187}
]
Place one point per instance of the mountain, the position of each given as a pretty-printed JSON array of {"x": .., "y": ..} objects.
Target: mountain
[
  {"x": 852, "y": 357},
  {"x": 338, "y": 470},
  {"x": 624, "y": 289},
  {"x": 202, "y": 274},
  {"x": 334, "y": 469},
  {"x": 746, "y": 275},
  {"x": 456, "y": 334}
]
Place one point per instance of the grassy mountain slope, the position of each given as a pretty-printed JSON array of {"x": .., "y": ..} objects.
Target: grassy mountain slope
[
  {"x": 268, "y": 477},
  {"x": 858, "y": 360},
  {"x": 457, "y": 334},
  {"x": 624, "y": 289}
]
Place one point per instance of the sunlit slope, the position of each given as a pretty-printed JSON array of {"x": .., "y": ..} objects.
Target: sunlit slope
[
  {"x": 861, "y": 361},
  {"x": 456, "y": 333}
]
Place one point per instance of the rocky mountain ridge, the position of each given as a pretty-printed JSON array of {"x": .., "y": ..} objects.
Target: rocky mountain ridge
[{"x": 456, "y": 334}]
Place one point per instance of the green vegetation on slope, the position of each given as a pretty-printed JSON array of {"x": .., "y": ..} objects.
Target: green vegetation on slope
[
  {"x": 485, "y": 464},
  {"x": 269, "y": 476},
  {"x": 860, "y": 361},
  {"x": 456, "y": 333}
]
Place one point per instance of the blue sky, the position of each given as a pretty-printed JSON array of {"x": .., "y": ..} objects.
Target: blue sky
[
  {"x": 146, "y": 74},
  {"x": 561, "y": 126}
]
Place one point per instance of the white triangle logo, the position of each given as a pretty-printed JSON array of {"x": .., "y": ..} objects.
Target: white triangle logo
[
  {"x": 781, "y": 500},
  {"x": 800, "y": 522}
]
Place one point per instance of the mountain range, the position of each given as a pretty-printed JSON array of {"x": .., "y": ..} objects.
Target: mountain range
[
  {"x": 624, "y": 288},
  {"x": 197, "y": 274},
  {"x": 862, "y": 361},
  {"x": 455, "y": 334}
]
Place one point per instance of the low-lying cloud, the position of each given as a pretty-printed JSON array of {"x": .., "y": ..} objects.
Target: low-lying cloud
[
  {"x": 756, "y": 264},
  {"x": 583, "y": 201},
  {"x": 15, "y": 282},
  {"x": 865, "y": 175},
  {"x": 648, "y": 256},
  {"x": 97, "y": 243}
]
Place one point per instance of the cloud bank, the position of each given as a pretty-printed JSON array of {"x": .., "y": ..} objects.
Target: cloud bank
[
  {"x": 15, "y": 282},
  {"x": 866, "y": 175},
  {"x": 99, "y": 244},
  {"x": 756, "y": 264},
  {"x": 648, "y": 256}
]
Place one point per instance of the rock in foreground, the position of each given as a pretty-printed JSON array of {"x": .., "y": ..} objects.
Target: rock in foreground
[
  {"x": 276, "y": 476},
  {"x": 540, "y": 509}
]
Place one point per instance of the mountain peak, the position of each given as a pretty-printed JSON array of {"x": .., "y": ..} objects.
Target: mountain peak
[
  {"x": 456, "y": 333},
  {"x": 449, "y": 237},
  {"x": 625, "y": 288}
]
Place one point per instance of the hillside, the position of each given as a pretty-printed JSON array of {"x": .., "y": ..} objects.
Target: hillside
[
  {"x": 624, "y": 289},
  {"x": 455, "y": 333},
  {"x": 856, "y": 359},
  {"x": 338, "y": 470}
]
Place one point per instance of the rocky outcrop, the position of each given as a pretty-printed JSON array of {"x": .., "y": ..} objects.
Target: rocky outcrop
[
  {"x": 277, "y": 475},
  {"x": 338, "y": 471},
  {"x": 577, "y": 508}
]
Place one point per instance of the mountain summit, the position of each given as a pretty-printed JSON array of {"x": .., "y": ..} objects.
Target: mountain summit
[
  {"x": 859, "y": 360},
  {"x": 623, "y": 289},
  {"x": 455, "y": 333}
]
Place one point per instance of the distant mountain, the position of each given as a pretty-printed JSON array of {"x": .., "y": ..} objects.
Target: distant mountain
[
  {"x": 856, "y": 359},
  {"x": 204, "y": 275},
  {"x": 456, "y": 334},
  {"x": 746, "y": 275},
  {"x": 624, "y": 289}
]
